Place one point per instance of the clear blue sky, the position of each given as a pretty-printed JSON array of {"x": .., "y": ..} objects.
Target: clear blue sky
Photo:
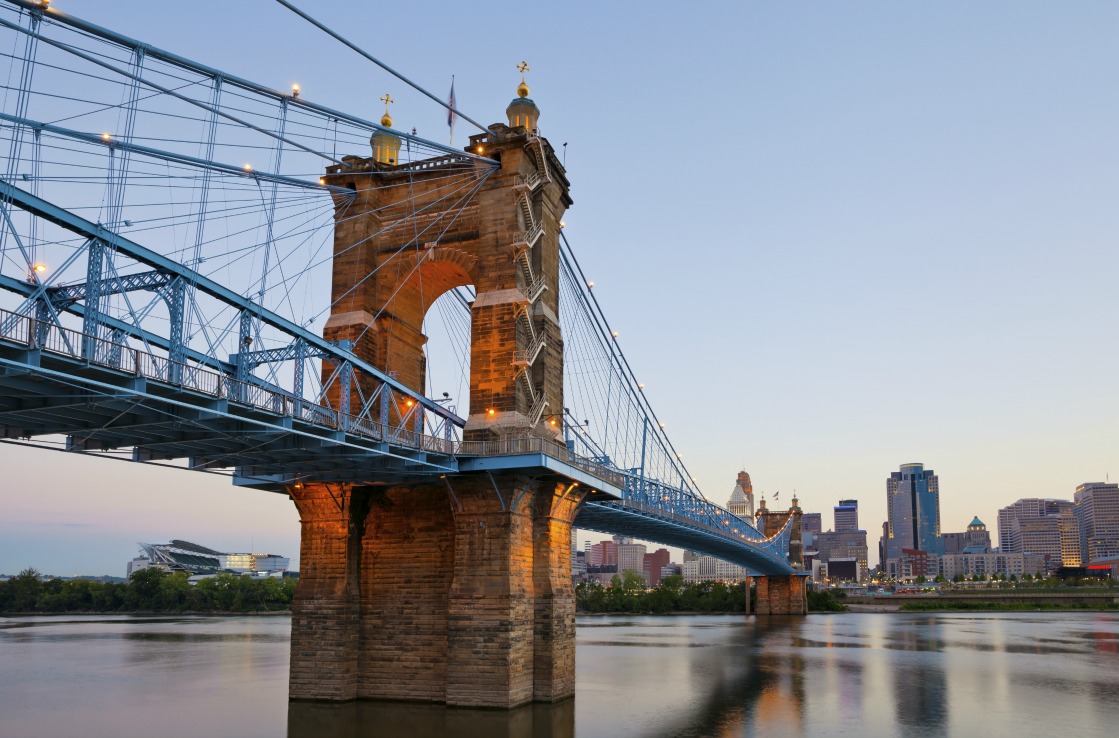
[{"x": 835, "y": 237}]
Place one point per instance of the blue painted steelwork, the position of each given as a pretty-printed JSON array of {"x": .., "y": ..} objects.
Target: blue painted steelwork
[
  {"x": 102, "y": 237},
  {"x": 107, "y": 396},
  {"x": 37, "y": 12}
]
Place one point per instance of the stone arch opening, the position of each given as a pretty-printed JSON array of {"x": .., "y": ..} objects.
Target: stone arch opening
[{"x": 422, "y": 278}]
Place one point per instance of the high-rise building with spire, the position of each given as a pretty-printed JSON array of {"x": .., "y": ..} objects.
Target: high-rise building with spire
[{"x": 741, "y": 501}]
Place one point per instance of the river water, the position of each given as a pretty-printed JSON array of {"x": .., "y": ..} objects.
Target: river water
[{"x": 866, "y": 675}]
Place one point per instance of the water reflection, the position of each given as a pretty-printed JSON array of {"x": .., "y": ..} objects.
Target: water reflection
[
  {"x": 393, "y": 719},
  {"x": 856, "y": 675}
]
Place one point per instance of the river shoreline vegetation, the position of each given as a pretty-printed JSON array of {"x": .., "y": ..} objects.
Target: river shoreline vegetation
[
  {"x": 934, "y": 606},
  {"x": 148, "y": 590},
  {"x": 628, "y": 593}
]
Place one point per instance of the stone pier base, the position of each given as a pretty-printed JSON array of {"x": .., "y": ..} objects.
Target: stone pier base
[
  {"x": 454, "y": 593},
  {"x": 782, "y": 595}
]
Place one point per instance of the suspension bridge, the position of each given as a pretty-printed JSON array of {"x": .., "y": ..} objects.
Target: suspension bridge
[{"x": 202, "y": 272}]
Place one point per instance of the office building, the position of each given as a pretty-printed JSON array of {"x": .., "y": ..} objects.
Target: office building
[
  {"x": 811, "y": 523},
  {"x": 976, "y": 539},
  {"x": 603, "y": 554},
  {"x": 882, "y": 546},
  {"x": 1056, "y": 538},
  {"x": 654, "y": 563},
  {"x": 631, "y": 557},
  {"x": 1097, "y": 511},
  {"x": 912, "y": 564},
  {"x": 1026, "y": 508},
  {"x": 913, "y": 511},
  {"x": 846, "y": 515},
  {"x": 842, "y": 544},
  {"x": 711, "y": 569},
  {"x": 741, "y": 502},
  {"x": 986, "y": 565},
  {"x": 838, "y": 570},
  {"x": 1044, "y": 526}
]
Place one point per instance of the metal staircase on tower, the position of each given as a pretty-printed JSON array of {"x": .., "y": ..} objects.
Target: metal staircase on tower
[{"x": 531, "y": 286}]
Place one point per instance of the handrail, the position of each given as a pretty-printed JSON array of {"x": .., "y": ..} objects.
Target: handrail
[{"x": 23, "y": 329}]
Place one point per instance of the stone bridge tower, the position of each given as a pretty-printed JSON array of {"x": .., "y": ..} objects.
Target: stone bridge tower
[
  {"x": 454, "y": 589},
  {"x": 782, "y": 595},
  {"x": 406, "y": 239}
]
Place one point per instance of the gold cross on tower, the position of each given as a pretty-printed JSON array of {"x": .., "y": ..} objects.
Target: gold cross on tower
[
  {"x": 386, "y": 100},
  {"x": 523, "y": 67}
]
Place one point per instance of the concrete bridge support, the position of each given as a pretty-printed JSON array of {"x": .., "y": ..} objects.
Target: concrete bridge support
[
  {"x": 782, "y": 595},
  {"x": 458, "y": 593}
]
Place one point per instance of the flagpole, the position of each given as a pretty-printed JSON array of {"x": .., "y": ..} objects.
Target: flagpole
[{"x": 451, "y": 114}]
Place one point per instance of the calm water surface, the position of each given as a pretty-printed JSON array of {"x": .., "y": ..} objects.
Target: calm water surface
[{"x": 867, "y": 675}]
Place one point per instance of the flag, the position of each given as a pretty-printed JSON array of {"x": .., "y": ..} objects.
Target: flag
[
  {"x": 451, "y": 114},
  {"x": 776, "y": 494}
]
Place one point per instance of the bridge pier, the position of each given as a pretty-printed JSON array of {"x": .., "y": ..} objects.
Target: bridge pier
[
  {"x": 458, "y": 593},
  {"x": 785, "y": 595}
]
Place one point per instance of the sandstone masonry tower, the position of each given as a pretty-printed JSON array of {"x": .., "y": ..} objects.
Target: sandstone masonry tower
[
  {"x": 453, "y": 590},
  {"x": 785, "y": 595}
]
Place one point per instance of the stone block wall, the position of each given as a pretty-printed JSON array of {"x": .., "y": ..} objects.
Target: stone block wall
[
  {"x": 458, "y": 594},
  {"x": 782, "y": 595}
]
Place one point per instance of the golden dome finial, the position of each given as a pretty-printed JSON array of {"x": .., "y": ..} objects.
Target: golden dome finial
[
  {"x": 386, "y": 119},
  {"x": 522, "y": 88}
]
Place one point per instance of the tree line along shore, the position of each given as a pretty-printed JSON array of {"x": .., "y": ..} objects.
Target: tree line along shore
[
  {"x": 148, "y": 590},
  {"x": 628, "y": 593}
]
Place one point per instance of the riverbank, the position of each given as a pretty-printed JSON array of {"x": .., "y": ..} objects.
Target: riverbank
[{"x": 147, "y": 613}]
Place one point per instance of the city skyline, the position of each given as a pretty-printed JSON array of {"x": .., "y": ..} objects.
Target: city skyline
[{"x": 975, "y": 164}]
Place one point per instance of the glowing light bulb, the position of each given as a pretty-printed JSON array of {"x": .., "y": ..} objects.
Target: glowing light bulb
[
  {"x": 248, "y": 167},
  {"x": 295, "y": 90},
  {"x": 106, "y": 137},
  {"x": 322, "y": 180},
  {"x": 491, "y": 412},
  {"x": 614, "y": 334},
  {"x": 640, "y": 386},
  {"x": 590, "y": 285},
  {"x": 40, "y": 268},
  {"x": 563, "y": 224},
  {"x": 410, "y": 403}
]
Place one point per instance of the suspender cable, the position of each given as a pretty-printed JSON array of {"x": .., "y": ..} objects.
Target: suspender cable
[{"x": 379, "y": 63}]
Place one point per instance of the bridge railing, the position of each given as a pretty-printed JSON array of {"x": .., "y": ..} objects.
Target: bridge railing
[
  {"x": 537, "y": 445},
  {"x": 665, "y": 513},
  {"x": 25, "y": 330}
]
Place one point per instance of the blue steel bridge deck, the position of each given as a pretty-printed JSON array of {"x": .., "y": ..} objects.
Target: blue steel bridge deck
[{"x": 216, "y": 422}]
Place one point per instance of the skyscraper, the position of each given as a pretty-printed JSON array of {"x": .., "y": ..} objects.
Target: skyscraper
[
  {"x": 1097, "y": 509},
  {"x": 811, "y": 523},
  {"x": 1027, "y": 508},
  {"x": 913, "y": 510},
  {"x": 1042, "y": 526},
  {"x": 847, "y": 515},
  {"x": 741, "y": 501}
]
